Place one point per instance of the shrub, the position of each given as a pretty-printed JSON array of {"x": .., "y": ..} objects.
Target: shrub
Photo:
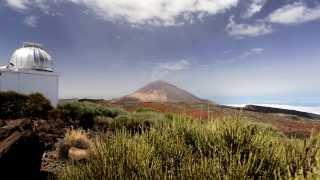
[
  {"x": 137, "y": 122},
  {"x": 14, "y": 105},
  {"x": 82, "y": 114},
  {"x": 145, "y": 110},
  {"x": 302, "y": 155},
  {"x": 103, "y": 123},
  {"x": 122, "y": 157},
  {"x": 37, "y": 106},
  {"x": 314, "y": 173}
]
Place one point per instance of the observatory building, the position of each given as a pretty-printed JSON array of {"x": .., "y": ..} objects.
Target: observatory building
[{"x": 30, "y": 70}]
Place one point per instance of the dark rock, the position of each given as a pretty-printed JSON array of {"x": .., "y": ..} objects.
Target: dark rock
[
  {"x": 12, "y": 126},
  {"x": 2, "y": 123},
  {"x": 20, "y": 156},
  {"x": 49, "y": 131},
  {"x": 22, "y": 144}
]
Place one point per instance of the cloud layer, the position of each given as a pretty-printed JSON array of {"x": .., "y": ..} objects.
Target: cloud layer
[
  {"x": 141, "y": 12},
  {"x": 156, "y": 12},
  {"x": 179, "y": 12}
]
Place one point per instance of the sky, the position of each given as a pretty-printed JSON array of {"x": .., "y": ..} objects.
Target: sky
[{"x": 228, "y": 51}]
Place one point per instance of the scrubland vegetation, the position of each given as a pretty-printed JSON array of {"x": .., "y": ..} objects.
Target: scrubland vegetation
[
  {"x": 149, "y": 145},
  {"x": 145, "y": 144}
]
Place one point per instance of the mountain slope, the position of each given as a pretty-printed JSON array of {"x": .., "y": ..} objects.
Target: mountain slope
[{"x": 160, "y": 91}]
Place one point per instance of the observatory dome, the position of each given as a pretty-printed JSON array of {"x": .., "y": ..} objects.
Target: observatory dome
[{"x": 31, "y": 57}]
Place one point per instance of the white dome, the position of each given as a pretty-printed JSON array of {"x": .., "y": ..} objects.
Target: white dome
[{"x": 31, "y": 56}]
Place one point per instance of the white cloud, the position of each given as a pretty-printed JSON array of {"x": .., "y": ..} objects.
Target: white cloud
[
  {"x": 21, "y": 5},
  {"x": 294, "y": 14},
  {"x": 243, "y": 55},
  {"x": 251, "y": 52},
  {"x": 247, "y": 30},
  {"x": 227, "y": 51},
  {"x": 255, "y": 6},
  {"x": 175, "y": 66},
  {"x": 31, "y": 21},
  {"x": 156, "y": 12},
  {"x": 163, "y": 69},
  {"x": 18, "y": 4}
]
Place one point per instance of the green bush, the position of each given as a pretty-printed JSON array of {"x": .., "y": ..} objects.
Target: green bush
[
  {"x": 145, "y": 110},
  {"x": 14, "y": 105},
  {"x": 37, "y": 106},
  {"x": 83, "y": 114},
  {"x": 103, "y": 123},
  {"x": 137, "y": 122}
]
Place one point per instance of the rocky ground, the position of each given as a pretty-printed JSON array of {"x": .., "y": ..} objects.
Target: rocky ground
[{"x": 23, "y": 144}]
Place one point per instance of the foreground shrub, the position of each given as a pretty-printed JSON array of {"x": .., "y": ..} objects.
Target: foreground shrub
[
  {"x": 302, "y": 155},
  {"x": 230, "y": 148},
  {"x": 314, "y": 173},
  {"x": 14, "y": 105}
]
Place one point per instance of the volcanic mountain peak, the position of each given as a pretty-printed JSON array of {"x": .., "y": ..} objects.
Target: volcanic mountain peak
[{"x": 161, "y": 91}]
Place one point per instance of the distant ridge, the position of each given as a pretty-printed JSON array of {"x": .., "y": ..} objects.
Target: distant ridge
[
  {"x": 161, "y": 91},
  {"x": 263, "y": 109}
]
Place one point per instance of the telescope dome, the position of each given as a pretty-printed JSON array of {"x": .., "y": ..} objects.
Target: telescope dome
[{"x": 31, "y": 57}]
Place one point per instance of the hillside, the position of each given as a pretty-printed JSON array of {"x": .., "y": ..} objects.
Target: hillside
[{"x": 160, "y": 91}]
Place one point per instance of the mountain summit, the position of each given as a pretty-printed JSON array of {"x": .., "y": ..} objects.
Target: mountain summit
[{"x": 160, "y": 91}]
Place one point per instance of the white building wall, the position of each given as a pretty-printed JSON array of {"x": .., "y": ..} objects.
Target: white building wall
[{"x": 46, "y": 83}]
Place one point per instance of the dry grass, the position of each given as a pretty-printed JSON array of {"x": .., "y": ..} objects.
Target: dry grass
[
  {"x": 77, "y": 138},
  {"x": 74, "y": 138}
]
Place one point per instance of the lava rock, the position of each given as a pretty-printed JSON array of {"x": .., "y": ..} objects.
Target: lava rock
[{"x": 20, "y": 151}]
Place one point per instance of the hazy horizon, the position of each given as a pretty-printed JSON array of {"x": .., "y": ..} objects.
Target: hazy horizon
[{"x": 230, "y": 51}]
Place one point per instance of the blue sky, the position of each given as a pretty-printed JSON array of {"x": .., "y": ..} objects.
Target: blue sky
[{"x": 230, "y": 51}]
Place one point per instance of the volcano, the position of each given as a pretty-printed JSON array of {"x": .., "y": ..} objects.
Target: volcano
[{"x": 161, "y": 91}]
